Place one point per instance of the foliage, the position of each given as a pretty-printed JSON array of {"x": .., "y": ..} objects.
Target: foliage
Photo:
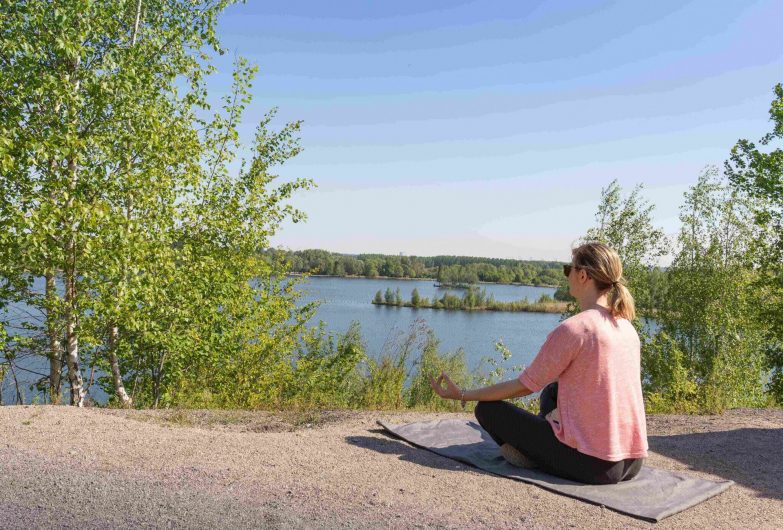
[
  {"x": 473, "y": 299},
  {"x": 385, "y": 378},
  {"x": 448, "y": 270},
  {"x": 432, "y": 363},
  {"x": 415, "y": 298},
  {"x": 704, "y": 349},
  {"x": 120, "y": 184},
  {"x": 758, "y": 172},
  {"x": 708, "y": 353},
  {"x": 491, "y": 371},
  {"x": 668, "y": 383},
  {"x": 336, "y": 372},
  {"x": 626, "y": 225},
  {"x": 328, "y": 375},
  {"x": 562, "y": 294}
]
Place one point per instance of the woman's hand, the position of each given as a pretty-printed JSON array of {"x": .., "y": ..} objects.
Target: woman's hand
[{"x": 451, "y": 391}]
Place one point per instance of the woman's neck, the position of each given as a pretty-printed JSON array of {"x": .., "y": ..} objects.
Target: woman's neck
[{"x": 593, "y": 300}]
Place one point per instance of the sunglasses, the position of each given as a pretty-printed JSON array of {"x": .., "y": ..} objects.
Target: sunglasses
[{"x": 567, "y": 270}]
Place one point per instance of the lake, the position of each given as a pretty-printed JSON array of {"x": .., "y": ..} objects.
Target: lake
[{"x": 344, "y": 300}]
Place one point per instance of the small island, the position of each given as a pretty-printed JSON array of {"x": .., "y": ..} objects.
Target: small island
[{"x": 473, "y": 299}]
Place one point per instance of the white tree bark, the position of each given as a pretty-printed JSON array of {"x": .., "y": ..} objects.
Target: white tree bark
[
  {"x": 119, "y": 387},
  {"x": 72, "y": 346},
  {"x": 114, "y": 332},
  {"x": 136, "y": 23},
  {"x": 55, "y": 346}
]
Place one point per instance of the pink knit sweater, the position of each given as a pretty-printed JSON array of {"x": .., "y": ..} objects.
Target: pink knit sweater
[{"x": 596, "y": 359}]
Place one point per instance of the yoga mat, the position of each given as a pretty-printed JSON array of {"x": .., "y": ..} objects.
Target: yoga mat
[{"x": 652, "y": 495}]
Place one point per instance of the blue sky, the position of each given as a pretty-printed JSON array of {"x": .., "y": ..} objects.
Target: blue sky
[{"x": 489, "y": 128}]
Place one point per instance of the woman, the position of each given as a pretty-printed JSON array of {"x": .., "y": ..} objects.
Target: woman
[{"x": 591, "y": 427}]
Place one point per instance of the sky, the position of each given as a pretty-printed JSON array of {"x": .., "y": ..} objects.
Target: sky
[{"x": 489, "y": 128}]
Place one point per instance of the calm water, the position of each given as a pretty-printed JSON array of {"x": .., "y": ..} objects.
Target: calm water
[{"x": 347, "y": 300}]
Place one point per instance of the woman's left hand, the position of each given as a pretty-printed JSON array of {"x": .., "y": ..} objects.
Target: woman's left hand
[{"x": 451, "y": 391}]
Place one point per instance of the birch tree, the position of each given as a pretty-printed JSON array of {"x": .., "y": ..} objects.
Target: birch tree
[
  {"x": 709, "y": 350},
  {"x": 757, "y": 170},
  {"x": 625, "y": 223},
  {"x": 95, "y": 141}
]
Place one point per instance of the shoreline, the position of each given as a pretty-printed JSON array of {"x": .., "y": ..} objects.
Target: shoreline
[{"x": 303, "y": 274}]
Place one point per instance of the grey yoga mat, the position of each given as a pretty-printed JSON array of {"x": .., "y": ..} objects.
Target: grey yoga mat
[{"x": 652, "y": 495}]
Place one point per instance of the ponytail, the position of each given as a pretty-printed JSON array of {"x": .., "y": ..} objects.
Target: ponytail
[
  {"x": 621, "y": 302},
  {"x": 605, "y": 268}
]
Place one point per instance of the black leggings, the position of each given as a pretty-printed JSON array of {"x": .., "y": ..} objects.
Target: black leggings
[{"x": 533, "y": 436}]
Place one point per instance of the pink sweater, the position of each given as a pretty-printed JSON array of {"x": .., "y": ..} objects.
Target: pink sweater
[{"x": 596, "y": 360}]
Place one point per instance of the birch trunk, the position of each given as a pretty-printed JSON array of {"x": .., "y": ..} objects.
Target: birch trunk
[
  {"x": 19, "y": 398},
  {"x": 53, "y": 324},
  {"x": 114, "y": 332},
  {"x": 136, "y": 23},
  {"x": 119, "y": 388},
  {"x": 72, "y": 346},
  {"x": 55, "y": 346}
]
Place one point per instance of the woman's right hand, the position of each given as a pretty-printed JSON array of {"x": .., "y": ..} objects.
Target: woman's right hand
[{"x": 452, "y": 391}]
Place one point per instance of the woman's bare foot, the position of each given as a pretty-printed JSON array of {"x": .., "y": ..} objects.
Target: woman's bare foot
[{"x": 515, "y": 458}]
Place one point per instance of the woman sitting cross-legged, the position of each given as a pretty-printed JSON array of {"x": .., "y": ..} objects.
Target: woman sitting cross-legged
[{"x": 591, "y": 427}]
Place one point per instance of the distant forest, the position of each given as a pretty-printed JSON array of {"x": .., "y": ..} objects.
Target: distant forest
[{"x": 449, "y": 270}]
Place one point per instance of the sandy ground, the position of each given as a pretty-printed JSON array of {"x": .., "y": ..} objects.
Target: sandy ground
[{"x": 63, "y": 467}]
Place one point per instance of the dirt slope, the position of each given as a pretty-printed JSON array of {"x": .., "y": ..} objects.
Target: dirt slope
[{"x": 62, "y": 467}]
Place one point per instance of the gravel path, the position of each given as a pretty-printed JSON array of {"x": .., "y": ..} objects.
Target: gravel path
[{"x": 69, "y": 468}]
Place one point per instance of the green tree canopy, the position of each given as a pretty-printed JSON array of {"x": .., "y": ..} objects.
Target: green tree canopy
[
  {"x": 625, "y": 223},
  {"x": 757, "y": 170},
  {"x": 121, "y": 186},
  {"x": 708, "y": 352}
]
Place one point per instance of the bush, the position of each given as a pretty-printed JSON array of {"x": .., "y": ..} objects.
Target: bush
[
  {"x": 563, "y": 295},
  {"x": 328, "y": 375},
  {"x": 432, "y": 363},
  {"x": 382, "y": 386},
  {"x": 334, "y": 372},
  {"x": 491, "y": 371},
  {"x": 384, "y": 381},
  {"x": 676, "y": 384},
  {"x": 669, "y": 385}
]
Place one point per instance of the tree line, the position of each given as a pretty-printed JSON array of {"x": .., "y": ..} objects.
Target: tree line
[{"x": 447, "y": 270}]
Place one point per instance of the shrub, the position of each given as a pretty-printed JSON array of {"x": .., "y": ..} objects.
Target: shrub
[
  {"x": 327, "y": 371},
  {"x": 432, "y": 363}
]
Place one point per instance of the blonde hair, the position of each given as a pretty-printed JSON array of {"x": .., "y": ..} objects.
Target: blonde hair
[{"x": 603, "y": 265}]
